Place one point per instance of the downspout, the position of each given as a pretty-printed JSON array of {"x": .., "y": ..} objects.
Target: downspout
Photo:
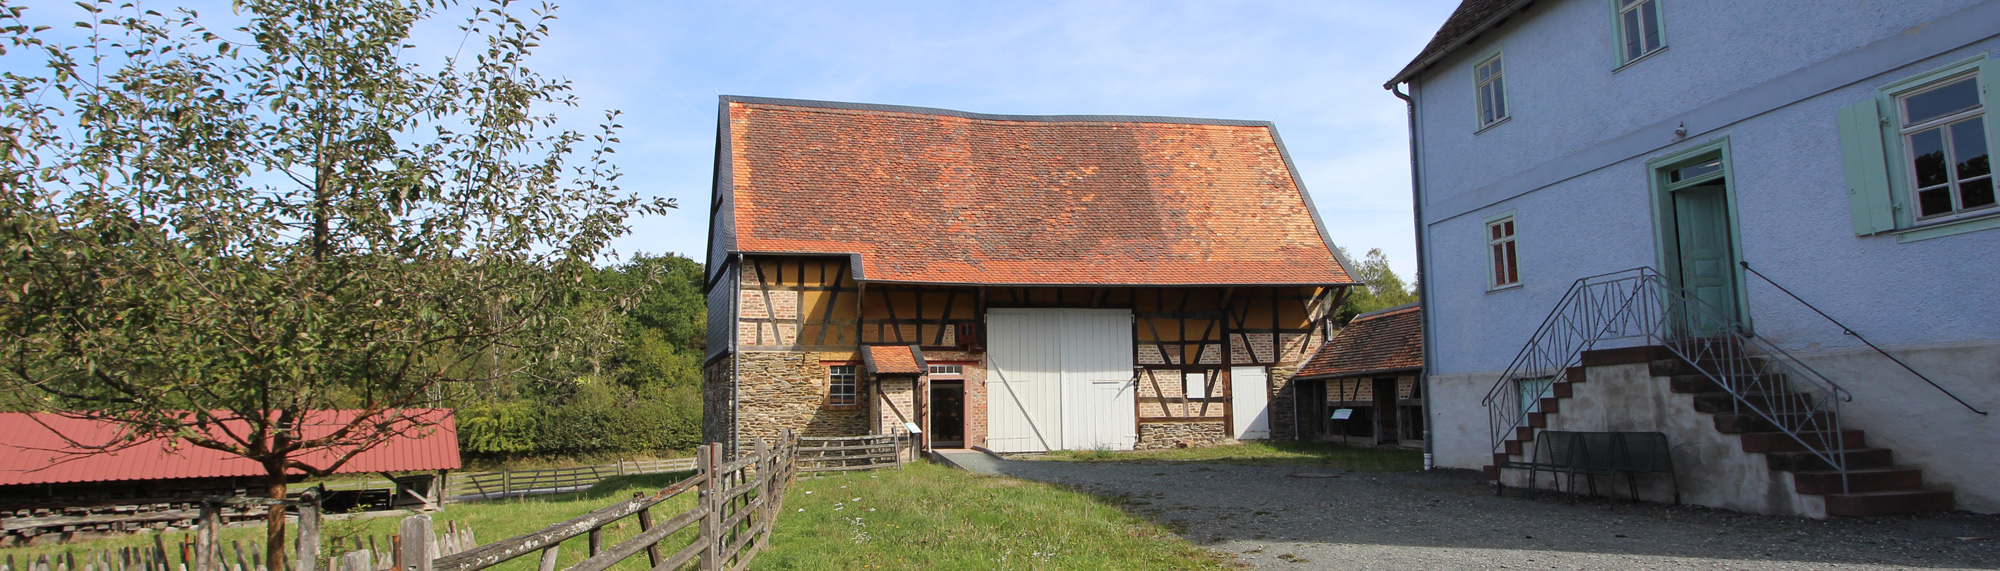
[
  {"x": 1423, "y": 285},
  {"x": 736, "y": 358}
]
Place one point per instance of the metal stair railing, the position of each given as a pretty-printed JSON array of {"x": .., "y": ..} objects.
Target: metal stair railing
[{"x": 1639, "y": 304}]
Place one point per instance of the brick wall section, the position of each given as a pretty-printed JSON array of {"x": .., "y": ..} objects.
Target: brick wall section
[
  {"x": 1160, "y": 435},
  {"x": 1282, "y": 385},
  {"x": 900, "y": 394}
]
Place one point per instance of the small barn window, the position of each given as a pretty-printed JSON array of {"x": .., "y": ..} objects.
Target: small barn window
[
  {"x": 1196, "y": 385},
  {"x": 842, "y": 388},
  {"x": 947, "y": 370}
]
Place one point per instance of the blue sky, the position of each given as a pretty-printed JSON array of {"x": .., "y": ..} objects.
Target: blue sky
[{"x": 1315, "y": 68}]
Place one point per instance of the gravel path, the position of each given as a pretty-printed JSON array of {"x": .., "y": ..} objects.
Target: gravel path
[{"x": 1272, "y": 518}]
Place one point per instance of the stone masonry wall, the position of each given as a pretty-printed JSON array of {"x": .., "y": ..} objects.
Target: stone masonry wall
[
  {"x": 715, "y": 391},
  {"x": 1161, "y": 435},
  {"x": 787, "y": 389}
]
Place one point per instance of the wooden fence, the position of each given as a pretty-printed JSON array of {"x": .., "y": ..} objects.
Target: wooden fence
[
  {"x": 841, "y": 454},
  {"x": 735, "y": 505},
  {"x": 508, "y": 483}
]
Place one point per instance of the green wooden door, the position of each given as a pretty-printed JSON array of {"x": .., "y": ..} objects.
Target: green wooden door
[{"x": 1707, "y": 262}]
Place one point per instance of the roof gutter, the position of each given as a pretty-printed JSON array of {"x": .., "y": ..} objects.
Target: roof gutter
[
  {"x": 1419, "y": 66},
  {"x": 1423, "y": 266}
]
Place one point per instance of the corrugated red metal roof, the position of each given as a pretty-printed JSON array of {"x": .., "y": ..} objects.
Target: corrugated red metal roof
[
  {"x": 1388, "y": 340},
  {"x": 935, "y": 196},
  {"x": 34, "y": 454},
  {"x": 893, "y": 360}
]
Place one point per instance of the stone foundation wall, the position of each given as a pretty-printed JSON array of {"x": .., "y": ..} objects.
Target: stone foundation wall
[
  {"x": 787, "y": 389},
  {"x": 1162, "y": 435}
]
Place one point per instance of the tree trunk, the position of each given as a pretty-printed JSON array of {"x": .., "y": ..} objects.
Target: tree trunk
[{"x": 274, "y": 529}]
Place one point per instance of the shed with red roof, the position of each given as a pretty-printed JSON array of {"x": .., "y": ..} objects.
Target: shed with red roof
[{"x": 1363, "y": 387}]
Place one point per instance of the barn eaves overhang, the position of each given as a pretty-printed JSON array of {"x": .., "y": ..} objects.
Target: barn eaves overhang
[{"x": 1472, "y": 19}]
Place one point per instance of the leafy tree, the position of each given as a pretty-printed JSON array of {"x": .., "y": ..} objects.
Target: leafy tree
[
  {"x": 211, "y": 234},
  {"x": 1383, "y": 289}
]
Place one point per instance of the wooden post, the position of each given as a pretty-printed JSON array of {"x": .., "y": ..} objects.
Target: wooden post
[
  {"x": 418, "y": 537},
  {"x": 308, "y": 531},
  {"x": 704, "y": 457},
  {"x": 646, "y": 523},
  {"x": 549, "y": 557},
  {"x": 596, "y": 541},
  {"x": 767, "y": 473},
  {"x": 206, "y": 542}
]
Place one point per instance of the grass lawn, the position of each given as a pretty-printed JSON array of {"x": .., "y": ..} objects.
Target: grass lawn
[
  {"x": 921, "y": 517},
  {"x": 1317, "y": 454},
  {"x": 931, "y": 517}
]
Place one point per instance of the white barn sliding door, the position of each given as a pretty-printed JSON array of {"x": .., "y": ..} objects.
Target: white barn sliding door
[{"x": 1059, "y": 379}]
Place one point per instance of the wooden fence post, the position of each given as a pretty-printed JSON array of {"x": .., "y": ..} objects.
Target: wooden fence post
[
  {"x": 765, "y": 472},
  {"x": 646, "y": 523},
  {"x": 704, "y": 462},
  {"x": 417, "y": 540},
  {"x": 207, "y": 542},
  {"x": 308, "y": 546}
]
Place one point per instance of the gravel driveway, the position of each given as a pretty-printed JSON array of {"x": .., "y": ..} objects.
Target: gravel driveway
[{"x": 1272, "y": 518}]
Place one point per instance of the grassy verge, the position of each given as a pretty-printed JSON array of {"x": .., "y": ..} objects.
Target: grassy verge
[
  {"x": 1317, "y": 454},
  {"x": 930, "y": 517}
]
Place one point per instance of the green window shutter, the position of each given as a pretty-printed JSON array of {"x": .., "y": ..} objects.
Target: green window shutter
[
  {"x": 1989, "y": 80},
  {"x": 1867, "y": 168}
]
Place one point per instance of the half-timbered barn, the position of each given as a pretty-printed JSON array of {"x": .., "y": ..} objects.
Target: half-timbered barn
[
  {"x": 1362, "y": 388},
  {"x": 1021, "y": 283}
]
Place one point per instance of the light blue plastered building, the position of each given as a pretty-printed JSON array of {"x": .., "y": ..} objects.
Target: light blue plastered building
[{"x": 1766, "y": 230}]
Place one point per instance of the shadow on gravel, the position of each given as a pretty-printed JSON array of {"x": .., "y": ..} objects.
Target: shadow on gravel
[{"x": 1445, "y": 510}]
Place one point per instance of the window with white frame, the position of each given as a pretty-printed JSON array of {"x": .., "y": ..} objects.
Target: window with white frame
[
  {"x": 1918, "y": 154},
  {"x": 1638, "y": 29},
  {"x": 1506, "y": 270},
  {"x": 842, "y": 388},
  {"x": 1944, "y": 136},
  {"x": 946, "y": 370},
  {"x": 1490, "y": 82}
]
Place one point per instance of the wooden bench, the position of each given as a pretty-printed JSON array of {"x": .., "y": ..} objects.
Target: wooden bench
[{"x": 1594, "y": 454}]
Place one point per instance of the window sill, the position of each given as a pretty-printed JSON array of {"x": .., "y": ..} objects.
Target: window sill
[
  {"x": 1489, "y": 126},
  {"x": 1635, "y": 61},
  {"x": 1987, "y": 221},
  {"x": 1508, "y": 287}
]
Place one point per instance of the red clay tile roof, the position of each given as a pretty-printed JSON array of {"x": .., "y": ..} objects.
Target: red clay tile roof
[
  {"x": 893, "y": 359},
  {"x": 934, "y": 196},
  {"x": 1472, "y": 18},
  {"x": 1383, "y": 341},
  {"x": 32, "y": 454}
]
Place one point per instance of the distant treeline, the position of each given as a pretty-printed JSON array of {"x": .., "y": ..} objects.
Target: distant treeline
[{"x": 641, "y": 395}]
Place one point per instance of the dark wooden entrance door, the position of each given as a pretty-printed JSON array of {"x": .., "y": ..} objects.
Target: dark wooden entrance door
[
  {"x": 1385, "y": 410},
  {"x": 947, "y": 415}
]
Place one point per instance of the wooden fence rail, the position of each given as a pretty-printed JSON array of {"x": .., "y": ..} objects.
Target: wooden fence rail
[
  {"x": 841, "y": 454},
  {"x": 506, "y": 483},
  {"x": 735, "y": 505}
]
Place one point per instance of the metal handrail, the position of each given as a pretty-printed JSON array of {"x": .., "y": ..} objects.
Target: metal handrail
[
  {"x": 1864, "y": 340},
  {"x": 1639, "y": 304}
]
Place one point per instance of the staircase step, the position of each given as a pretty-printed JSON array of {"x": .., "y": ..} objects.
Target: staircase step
[
  {"x": 1857, "y": 459},
  {"x": 1574, "y": 375},
  {"x": 1889, "y": 503},
  {"x": 1538, "y": 420},
  {"x": 1624, "y": 355},
  {"x": 1550, "y": 405},
  {"x": 1782, "y": 442},
  {"x": 1562, "y": 390},
  {"x": 1704, "y": 384},
  {"x": 1513, "y": 448},
  {"x": 1492, "y": 472},
  {"x": 1782, "y": 402},
  {"x": 1524, "y": 433},
  {"x": 1675, "y": 366},
  {"x": 1729, "y": 423},
  {"x": 1858, "y": 481}
]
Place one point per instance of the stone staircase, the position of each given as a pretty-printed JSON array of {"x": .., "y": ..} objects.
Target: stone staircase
[{"x": 1875, "y": 485}]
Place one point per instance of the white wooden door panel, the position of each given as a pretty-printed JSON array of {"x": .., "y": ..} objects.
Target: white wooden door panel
[{"x": 1249, "y": 401}]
